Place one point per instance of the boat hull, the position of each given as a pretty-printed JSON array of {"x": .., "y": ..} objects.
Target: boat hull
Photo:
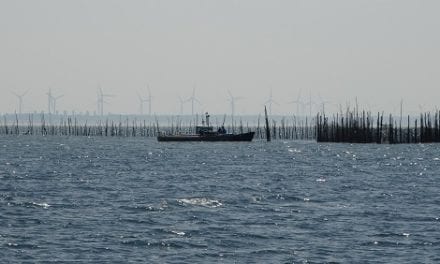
[{"x": 210, "y": 138}]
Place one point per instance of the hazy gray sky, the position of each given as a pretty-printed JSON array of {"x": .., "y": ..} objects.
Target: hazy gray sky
[{"x": 378, "y": 50}]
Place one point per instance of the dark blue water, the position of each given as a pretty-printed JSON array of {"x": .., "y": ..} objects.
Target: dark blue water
[{"x": 137, "y": 200}]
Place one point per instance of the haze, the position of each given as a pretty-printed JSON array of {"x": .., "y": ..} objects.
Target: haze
[{"x": 379, "y": 51}]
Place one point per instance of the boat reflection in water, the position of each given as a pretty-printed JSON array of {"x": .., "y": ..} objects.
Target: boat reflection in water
[{"x": 207, "y": 133}]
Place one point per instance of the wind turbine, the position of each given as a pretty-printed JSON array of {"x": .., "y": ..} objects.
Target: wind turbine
[
  {"x": 323, "y": 103},
  {"x": 232, "y": 99},
  {"x": 20, "y": 100},
  {"x": 141, "y": 104},
  {"x": 182, "y": 102},
  {"x": 143, "y": 100},
  {"x": 310, "y": 103},
  {"x": 49, "y": 100},
  {"x": 193, "y": 99},
  {"x": 298, "y": 103},
  {"x": 149, "y": 100},
  {"x": 270, "y": 101},
  {"x": 54, "y": 102},
  {"x": 101, "y": 101}
]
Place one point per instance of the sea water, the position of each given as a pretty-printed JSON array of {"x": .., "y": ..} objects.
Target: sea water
[{"x": 113, "y": 200}]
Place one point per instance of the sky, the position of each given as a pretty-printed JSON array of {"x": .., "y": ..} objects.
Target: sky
[{"x": 378, "y": 52}]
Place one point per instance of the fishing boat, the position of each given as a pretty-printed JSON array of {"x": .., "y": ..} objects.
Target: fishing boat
[{"x": 207, "y": 133}]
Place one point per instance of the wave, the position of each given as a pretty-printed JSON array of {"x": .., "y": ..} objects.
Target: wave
[
  {"x": 44, "y": 205},
  {"x": 205, "y": 202}
]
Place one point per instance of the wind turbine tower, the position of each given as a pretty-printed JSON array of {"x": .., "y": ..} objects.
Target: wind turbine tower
[
  {"x": 101, "y": 101},
  {"x": 149, "y": 100},
  {"x": 143, "y": 100},
  {"x": 141, "y": 104},
  {"x": 193, "y": 99},
  {"x": 49, "y": 101},
  {"x": 233, "y": 99},
  {"x": 310, "y": 103},
  {"x": 298, "y": 103},
  {"x": 182, "y": 102},
  {"x": 54, "y": 102},
  {"x": 323, "y": 103},
  {"x": 270, "y": 101},
  {"x": 20, "y": 100}
]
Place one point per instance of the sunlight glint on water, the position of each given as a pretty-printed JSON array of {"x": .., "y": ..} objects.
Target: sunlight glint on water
[{"x": 119, "y": 199}]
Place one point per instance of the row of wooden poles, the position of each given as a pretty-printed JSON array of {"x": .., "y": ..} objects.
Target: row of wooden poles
[
  {"x": 362, "y": 127},
  {"x": 286, "y": 129},
  {"x": 350, "y": 127}
]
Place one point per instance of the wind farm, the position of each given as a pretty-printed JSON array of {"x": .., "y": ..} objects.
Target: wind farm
[{"x": 307, "y": 121}]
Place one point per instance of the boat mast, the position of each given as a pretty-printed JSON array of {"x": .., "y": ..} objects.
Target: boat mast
[{"x": 207, "y": 118}]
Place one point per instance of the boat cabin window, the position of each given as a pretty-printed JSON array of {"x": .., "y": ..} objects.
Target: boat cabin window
[{"x": 204, "y": 129}]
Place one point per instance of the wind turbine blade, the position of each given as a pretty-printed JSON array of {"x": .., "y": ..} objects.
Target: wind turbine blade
[
  {"x": 230, "y": 94},
  {"x": 26, "y": 92}
]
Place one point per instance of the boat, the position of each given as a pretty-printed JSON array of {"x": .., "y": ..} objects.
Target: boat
[
  {"x": 207, "y": 133},
  {"x": 208, "y": 137}
]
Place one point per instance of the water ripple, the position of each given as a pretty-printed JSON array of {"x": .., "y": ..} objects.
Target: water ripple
[{"x": 136, "y": 200}]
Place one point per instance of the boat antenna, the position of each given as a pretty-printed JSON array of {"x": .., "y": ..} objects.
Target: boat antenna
[
  {"x": 207, "y": 118},
  {"x": 157, "y": 125}
]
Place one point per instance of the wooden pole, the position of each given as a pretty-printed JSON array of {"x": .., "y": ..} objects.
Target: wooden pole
[{"x": 267, "y": 125}]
